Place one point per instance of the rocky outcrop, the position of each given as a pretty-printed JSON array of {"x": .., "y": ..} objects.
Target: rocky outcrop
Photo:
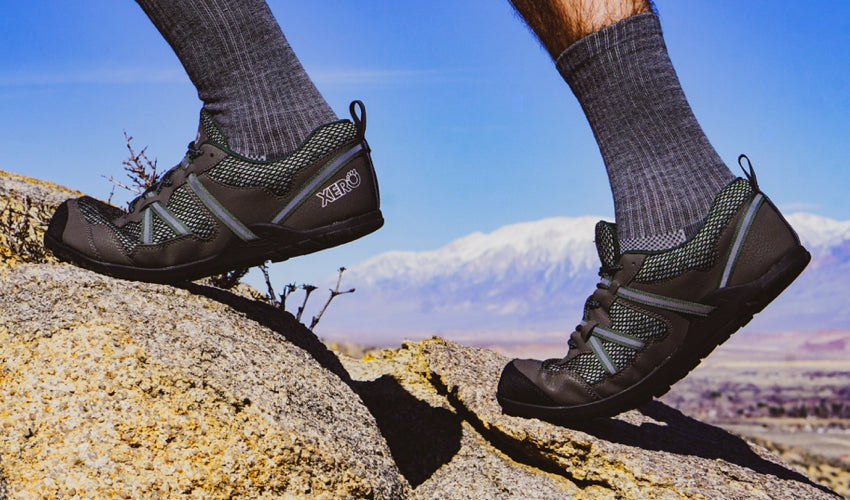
[
  {"x": 120, "y": 389},
  {"x": 25, "y": 208},
  {"x": 652, "y": 452},
  {"x": 117, "y": 388}
]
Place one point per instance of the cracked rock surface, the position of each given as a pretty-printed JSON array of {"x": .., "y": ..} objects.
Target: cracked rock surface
[
  {"x": 115, "y": 388},
  {"x": 112, "y": 388},
  {"x": 652, "y": 452}
]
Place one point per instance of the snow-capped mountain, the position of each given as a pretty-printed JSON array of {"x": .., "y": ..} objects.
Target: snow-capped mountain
[
  {"x": 535, "y": 276},
  {"x": 559, "y": 242}
]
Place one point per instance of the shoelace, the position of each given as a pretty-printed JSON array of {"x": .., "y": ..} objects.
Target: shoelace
[
  {"x": 164, "y": 180},
  {"x": 582, "y": 331}
]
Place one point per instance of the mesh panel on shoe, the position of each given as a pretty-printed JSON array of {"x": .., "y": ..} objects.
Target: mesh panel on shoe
[
  {"x": 277, "y": 175},
  {"x": 636, "y": 323},
  {"x": 606, "y": 243},
  {"x": 623, "y": 319},
  {"x": 700, "y": 251},
  {"x": 211, "y": 129},
  {"x": 96, "y": 212},
  {"x": 654, "y": 242},
  {"x": 130, "y": 235},
  {"x": 161, "y": 231},
  {"x": 585, "y": 365},
  {"x": 186, "y": 207},
  {"x": 620, "y": 355}
]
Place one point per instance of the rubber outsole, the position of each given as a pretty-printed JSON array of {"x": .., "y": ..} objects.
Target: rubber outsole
[
  {"x": 736, "y": 306},
  {"x": 276, "y": 244}
]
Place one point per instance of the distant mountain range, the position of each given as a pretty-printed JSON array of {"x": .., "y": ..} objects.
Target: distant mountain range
[{"x": 531, "y": 280}]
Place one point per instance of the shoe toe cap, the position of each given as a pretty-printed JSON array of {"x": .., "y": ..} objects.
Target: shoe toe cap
[
  {"x": 57, "y": 224},
  {"x": 529, "y": 382},
  {"x": 516, "y": 385},
  {"x": 68, "y": 233},
  {"x": 71, "y": 236}
]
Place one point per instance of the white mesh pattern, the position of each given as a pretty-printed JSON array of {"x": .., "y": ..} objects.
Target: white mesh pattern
[
  {"x": 186, "y": 207},
  {"x": 277, "y": 175},
  {"x": 585, "y": 365},
  {"x": 211, "y": 129},
  {"x": 98, "y": 213},
  {"x": 606, "y": 243},
  {"x": 620, "y": 355},
  {"x": 654, "y": 242},
  {"x": 699, "y": 252},
  {"x": 636, "y": 323},
  {"x": 161, "y": 231}
]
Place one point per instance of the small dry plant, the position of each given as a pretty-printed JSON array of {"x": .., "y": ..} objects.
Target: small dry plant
[
  {"x": 141, "y": 170},
  {"x": 279, "y": 300}
]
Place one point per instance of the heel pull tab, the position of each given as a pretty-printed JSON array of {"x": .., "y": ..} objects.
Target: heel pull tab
[
  {"x": 751, "y": 174},
  {"x": 359, "y": 121}
]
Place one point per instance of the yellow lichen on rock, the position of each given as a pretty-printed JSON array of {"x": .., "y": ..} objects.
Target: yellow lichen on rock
[
  {"x": 88, "y": 413},
  {"x": 150, "y": 391},
  {"x": 26, "y": 206},
  {"x": 22, "y": 226},
  {"x": 45, "y": 188},
  {"x": 407, "y": 365}
]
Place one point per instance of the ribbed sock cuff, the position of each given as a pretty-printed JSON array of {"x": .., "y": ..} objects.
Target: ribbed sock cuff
[
  {"x": 664, "y": 173},
  {"x": 630, "y": 33}
]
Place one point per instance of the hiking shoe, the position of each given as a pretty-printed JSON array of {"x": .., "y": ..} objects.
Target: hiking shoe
[
  {"x": 217, "y": 210},
  {"x": 655, "y": 315}
]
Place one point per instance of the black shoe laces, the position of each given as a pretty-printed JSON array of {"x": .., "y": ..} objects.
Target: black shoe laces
[
  {"x": 582, "y": 331},
  {"x": 164, "y": 180}
]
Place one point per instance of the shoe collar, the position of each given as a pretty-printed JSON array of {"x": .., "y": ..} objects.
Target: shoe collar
[{"x": 607, "y": 244}]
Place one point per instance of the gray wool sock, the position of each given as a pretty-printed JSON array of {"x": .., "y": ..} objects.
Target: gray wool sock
[
  {"x": 664, "y": 173},
  {"x": 244, "y": 70}
]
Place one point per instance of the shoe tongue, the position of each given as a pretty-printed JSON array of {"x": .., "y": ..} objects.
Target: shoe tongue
[
  {"x": 607, "y": 244},
  {"x": 208, "y": 131}
]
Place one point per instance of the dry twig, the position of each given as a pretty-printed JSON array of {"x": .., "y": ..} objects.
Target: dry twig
[
  {"x": 287, "y": 291},
  {"x": 271, "y": 294},
  {"x": 228, "y": 280},
  {"x": 308, "y": 289},
  {"x": 333, "y": 294},
  {"x": 140, "y": 169}
]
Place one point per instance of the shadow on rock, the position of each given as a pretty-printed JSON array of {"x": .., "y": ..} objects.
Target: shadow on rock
[
  {"x": 683, "y": 435},
  {"x": 278, "y": 321},
  {"x": 420, "y": 437}
]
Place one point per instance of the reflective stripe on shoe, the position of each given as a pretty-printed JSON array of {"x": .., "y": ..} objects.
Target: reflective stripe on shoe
[
  {"x": 218, "y": 210},
  {"x": 651, "y": 299},
  {"x": 616, "y": 337},
  {"x": 740, "y": 234},
  {"x": 655, "y": 315},
  {"x": 170, "y": 219},
  {"x": 321, "y": 177}
]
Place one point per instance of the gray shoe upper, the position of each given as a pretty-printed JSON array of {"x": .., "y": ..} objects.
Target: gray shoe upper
[
  {"x": 215, "y": 201},
  {"x": 646, "y": 303}
]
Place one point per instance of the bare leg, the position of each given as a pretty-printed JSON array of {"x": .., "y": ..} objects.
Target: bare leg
[
  {"x": 560, "y": 23},
  {"x": 682, "y": 223},
  {"x": 664, "y": 173}
]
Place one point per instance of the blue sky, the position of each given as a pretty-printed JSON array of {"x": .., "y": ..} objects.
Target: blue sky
[{"x": 471, "y": 126}]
